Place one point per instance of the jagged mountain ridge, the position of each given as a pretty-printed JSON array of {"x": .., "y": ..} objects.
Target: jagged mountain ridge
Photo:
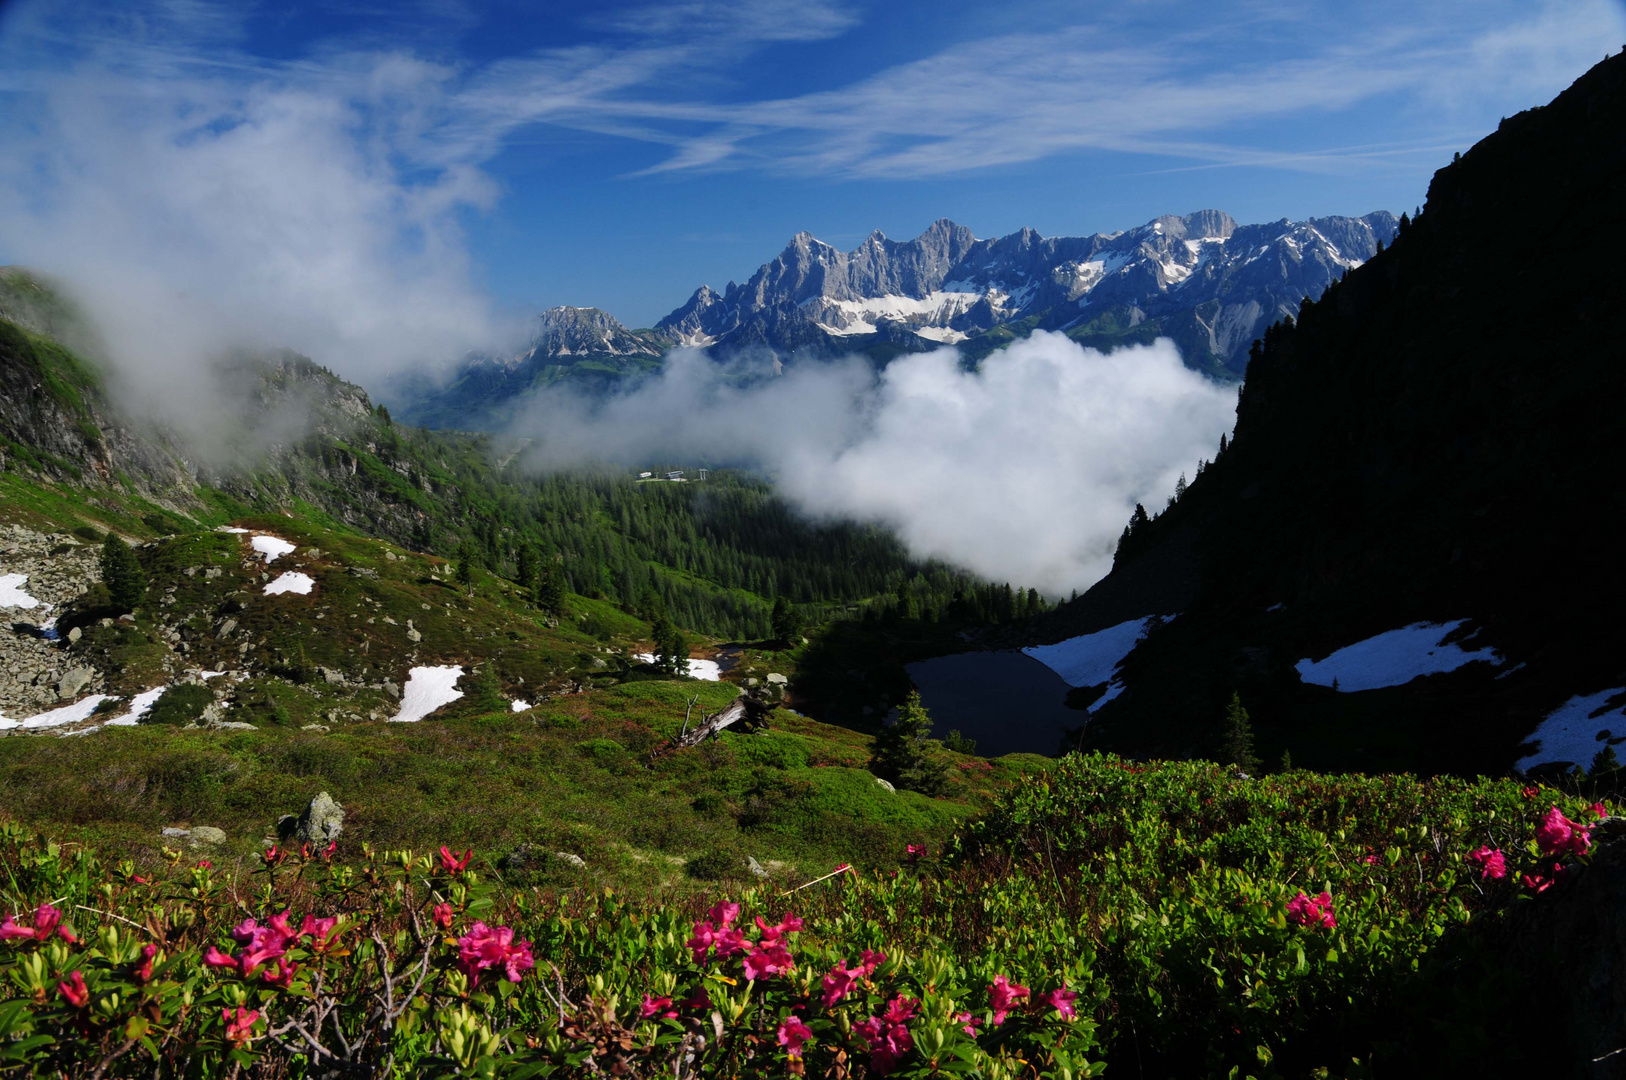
[
  {"x": 1203, "y": 273},
  {"x": 1203, "y": 280}
]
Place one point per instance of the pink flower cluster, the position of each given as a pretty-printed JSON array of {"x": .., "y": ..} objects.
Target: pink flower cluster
[
  {"x": 75, "y": 990},
  {"x": 47, "y": 921},
  {"x": 839, "y": 982},
  {"x": 266, "y": 947},
  {"x": 769, "y": 955},
  {"x": 239, "y": 1026},
  {"x": 1312, "y": 911},
  {"x": 453, "y": 863},
  {"x": 1003, "y": 996},
  {"x": 1558, "y": 835},
  {"x": 792, "y": 1034},
  {"x": 887, "y": 1035},
  {"x": 1491, "y": 862},
  {"x": 717, "y": 931},
  {"x": 484, "y": 947}
]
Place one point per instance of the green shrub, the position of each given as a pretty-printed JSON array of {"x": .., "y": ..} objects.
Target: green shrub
[
  {"x": 716, "y": 865},
  {"x": 180, "y": 705}
]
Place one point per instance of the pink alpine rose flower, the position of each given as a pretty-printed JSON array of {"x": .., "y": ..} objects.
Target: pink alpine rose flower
[
  {"x": 484, "y": 947},
  {"x": 967, "y": 1022},
  {"x": 657, "y": 1008},
  {"x": 143, "y": 972},
  {"x": 239, "y": 1028},
  {"x": 1003, "y": 996},
  {"x": 870, "y": 960},
  {"x": 723, "y": 913},
  {"x": 75, "y": 990},
  {"x": 451, "y": 862},
  {"x": 1312, "y": 911},
  {"x": 1061, "y": 999},
  {"x": 1491, "y": 862},
  {"x": 443, "y": 915},
  {"x": 792, "y": 1034},
  {"x": 47, "y": 920},
  {"x": 789, "y": 925},
  {"x": 770, "y": 957},
  {"x": 1558, "y": 835},
  {"x": 839, "y": 983},
  {"x": 901, "y": 1010}
]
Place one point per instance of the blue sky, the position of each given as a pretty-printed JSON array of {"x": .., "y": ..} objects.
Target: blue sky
[{"x": 415, "y": 174}]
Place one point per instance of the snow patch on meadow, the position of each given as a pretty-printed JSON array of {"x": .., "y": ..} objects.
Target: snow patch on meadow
[
  {"x": 1572, "y": 733},
  {"x": 708, "y": 670},
  {"x": 292, "y": 581},
  {"x": 271, "y": 547},
  {"x": 68, "y": 714},
  {"x": 12, "y": 594},
  {"x": 518, "y": 705},
  {"x": 140, "y": 705},
  {"x": 1394, "y": 658},
  {"x": 427, "y": 689}
]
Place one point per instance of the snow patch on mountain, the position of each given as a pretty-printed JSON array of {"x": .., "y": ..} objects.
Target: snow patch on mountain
[
  {"x": 1576, "y": 730},
  {"x": 1091, "y": 659},
  {"x": 1394, "y": 658},
  {"x": 427, "y": 689},
  {"x": 12, "y": 594}
]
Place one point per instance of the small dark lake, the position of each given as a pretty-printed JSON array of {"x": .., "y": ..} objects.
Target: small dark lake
[{"x": 1008, "y": 702}]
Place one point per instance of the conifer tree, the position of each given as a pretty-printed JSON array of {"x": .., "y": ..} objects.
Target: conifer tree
[
  {"x": 900, "y": 751},
  {"x": 550, "y": 589},
  {"x": 526, "y": 568},
  {"x": 1604, "y": 762},
  {"x": 122, "y": 574},
  {"x": 1237, "y": 748},
  {"x": 671, "y": 647},
  {"x": 468, "y": 558},
  {"x": 786, "y": 621},
  {"x": 487, "y": 695}
]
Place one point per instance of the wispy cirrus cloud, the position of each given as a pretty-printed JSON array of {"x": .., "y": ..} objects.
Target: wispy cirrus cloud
[{"x": 317, "y": 196}]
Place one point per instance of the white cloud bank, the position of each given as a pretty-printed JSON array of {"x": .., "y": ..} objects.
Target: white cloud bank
[{"x": 1024, "y": 470}]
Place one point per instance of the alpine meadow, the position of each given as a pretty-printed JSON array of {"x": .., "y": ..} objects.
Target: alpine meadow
[{"x": 440, "y": 639}]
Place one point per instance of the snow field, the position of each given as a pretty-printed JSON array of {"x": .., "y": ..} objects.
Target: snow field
[
  {"x": 1394, "y": 658},
  {"x": 518, "y": 705},
  {"x": 427, "y": 689},
  {"x": 12, "y": 594},
  {"x": 139, "y": 707},
  {"x": 1571, "y": 733},
  {"x": 1090, "y": 659},
  {"x": 698, "y": 669},
  {"x": 68, "y": 714},
  {"x": 270, "y": 546},
  {"x": 291, "y": 581}
]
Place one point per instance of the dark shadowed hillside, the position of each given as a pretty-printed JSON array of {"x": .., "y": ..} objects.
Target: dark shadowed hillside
[{"x": 1435, "y": 439}]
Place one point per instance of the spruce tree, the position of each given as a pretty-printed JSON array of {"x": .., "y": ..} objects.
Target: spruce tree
[
  {"x": 786, "y": 621},
  {"x": 671, "y": 647},
  {"x": 468, "y": 558},
  {"x": 900, "y": 753},
  {"x": 1237, "y": 748},
  {"x": 122, "y": 574},
  {"x": 550, "y": 589},
  {"x": 526, "y": 570}
]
